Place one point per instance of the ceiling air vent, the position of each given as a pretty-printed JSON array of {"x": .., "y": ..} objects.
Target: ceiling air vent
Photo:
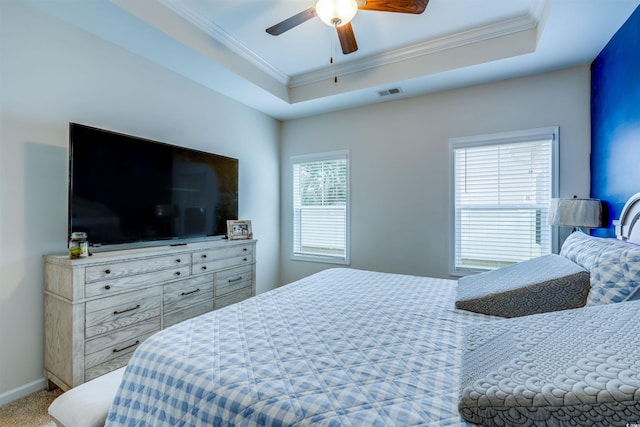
[{"x": 387, "y": 92}]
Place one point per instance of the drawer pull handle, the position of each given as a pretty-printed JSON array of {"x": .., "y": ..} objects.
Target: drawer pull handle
[
  {"x": 204, "y": 255},
  {"x": 237, "y": 279},
  {"x": 128, "y": 309},
  {"x": 204, "y": 267},
  {"x": 107, "y": 271},
  {"x": 178, "y": 260},
  {"x": 115, "y": 350},
  {"x": 177, "y": 273},
  {"x": 189, "y": 293},
  {"x": 107, "y": 287},
  {"x": 244, "y": 259},
  {"x": 244, "y": 250}
]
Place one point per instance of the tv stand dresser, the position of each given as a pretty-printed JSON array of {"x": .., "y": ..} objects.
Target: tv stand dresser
[{"x": 98, "y": 309}]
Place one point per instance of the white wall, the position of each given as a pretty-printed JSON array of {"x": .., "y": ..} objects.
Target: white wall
[
  {"x": 400, "y": 214},
  {"x": 52, "y": 73}
]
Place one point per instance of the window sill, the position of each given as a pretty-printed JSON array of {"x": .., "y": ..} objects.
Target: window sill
[{"x": 319, "y": 258}]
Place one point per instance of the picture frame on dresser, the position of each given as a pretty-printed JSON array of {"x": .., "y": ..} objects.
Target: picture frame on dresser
[{"x": 239, "y": 230}]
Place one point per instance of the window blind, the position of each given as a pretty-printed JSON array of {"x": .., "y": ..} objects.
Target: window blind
[
  {"x": 501, "y": 197},
  {"x": 320, "y": 207}
]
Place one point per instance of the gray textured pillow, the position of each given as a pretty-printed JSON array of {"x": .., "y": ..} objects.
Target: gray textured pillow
[
  {"x": 543, "y": 284},
  {"x": 574, "y": 367}
]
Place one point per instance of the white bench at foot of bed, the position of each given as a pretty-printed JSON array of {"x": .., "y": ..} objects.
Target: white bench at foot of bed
[{"x": 86, "y": 405}]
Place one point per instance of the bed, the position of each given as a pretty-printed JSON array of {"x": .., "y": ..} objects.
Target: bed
[
  {"x": 347, "y": 347},
  {"x": 342, "y": 347}
]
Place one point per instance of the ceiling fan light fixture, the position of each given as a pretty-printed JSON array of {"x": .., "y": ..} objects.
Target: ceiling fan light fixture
[{"x": 336, "y": 13}]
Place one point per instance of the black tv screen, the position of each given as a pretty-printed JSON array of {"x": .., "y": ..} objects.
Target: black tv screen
[{"x": 129, "y": 190}]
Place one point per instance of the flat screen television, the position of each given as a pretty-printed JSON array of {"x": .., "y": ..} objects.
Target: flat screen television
[{"x": 130, "y": 191}]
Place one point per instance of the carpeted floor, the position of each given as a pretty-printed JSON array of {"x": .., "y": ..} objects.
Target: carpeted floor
[{"x": 30, "y": 411}]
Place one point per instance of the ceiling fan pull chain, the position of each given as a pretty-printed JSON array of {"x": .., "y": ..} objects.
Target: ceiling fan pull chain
[
  {"x": 332, "y": 49},
  {"x": 335, "y": 77}
]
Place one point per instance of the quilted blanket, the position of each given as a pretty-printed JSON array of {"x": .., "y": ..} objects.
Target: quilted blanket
[{"x": 339, "y": 348}]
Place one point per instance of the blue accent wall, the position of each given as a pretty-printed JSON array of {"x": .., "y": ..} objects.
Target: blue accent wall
[{"x": 615, "y": 121}]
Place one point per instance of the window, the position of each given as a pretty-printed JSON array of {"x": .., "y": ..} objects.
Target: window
[
  {"x": 321, "y": 207},
  {"x": 502, "y": 185}
]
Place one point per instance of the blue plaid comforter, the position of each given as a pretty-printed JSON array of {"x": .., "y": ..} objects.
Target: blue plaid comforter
[{"x": 339, "y": 348}]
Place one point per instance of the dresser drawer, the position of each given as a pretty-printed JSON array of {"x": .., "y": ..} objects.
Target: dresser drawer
[
  {"x": 106, "y": 367},
  {"x": 223, "y": 264},
  {"x": 182, "y": 294},
  {"x": 234, "y": 297},
  {"x": 233, "y": 279},
  {"x": 117, "y": 343},
  {"x": 215, "y": 254},
  {"x": 114, "y": 360},
  {"x": 128, "y": 283},
  {"x": 192, "y": 311},
  {"x": 118, "y": 311},
  {"x": 127, "y": 268}
]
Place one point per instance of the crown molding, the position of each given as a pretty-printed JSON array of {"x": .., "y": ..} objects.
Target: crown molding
[
  {"x": 476, "y": 35},
  {"x": 218, "y": 34}
]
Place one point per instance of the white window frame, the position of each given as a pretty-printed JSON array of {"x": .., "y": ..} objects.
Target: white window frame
[
  {"x": 319, "y": 157},
  {"x": 552, "y": 133}
]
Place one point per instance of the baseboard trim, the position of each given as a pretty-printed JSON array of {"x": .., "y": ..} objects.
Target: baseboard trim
[{"x": 22, "y": 391}]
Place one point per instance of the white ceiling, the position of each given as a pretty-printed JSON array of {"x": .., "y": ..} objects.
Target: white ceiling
[{"x": 222, "y": 44}]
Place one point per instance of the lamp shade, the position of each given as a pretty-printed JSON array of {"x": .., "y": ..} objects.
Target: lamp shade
[
  {"x": 579, "y": 213},
  {"x": 336, "y": 12}
]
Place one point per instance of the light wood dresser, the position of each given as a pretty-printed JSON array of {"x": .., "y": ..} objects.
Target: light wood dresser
[{"x": 98, "y": 309}]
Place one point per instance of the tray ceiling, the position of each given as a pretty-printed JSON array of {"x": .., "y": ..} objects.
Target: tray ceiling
[{"x": 222, "y": 44}]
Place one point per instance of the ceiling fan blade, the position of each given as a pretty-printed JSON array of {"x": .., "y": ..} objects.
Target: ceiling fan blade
[
  {"x": 292, "y": 21},
  {"x": 347, "y": 38},
  {"x": 399, "y": 6}
]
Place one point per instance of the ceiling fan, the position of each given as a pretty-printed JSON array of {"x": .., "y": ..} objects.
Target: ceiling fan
[{"x": 339, "y": 13}]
